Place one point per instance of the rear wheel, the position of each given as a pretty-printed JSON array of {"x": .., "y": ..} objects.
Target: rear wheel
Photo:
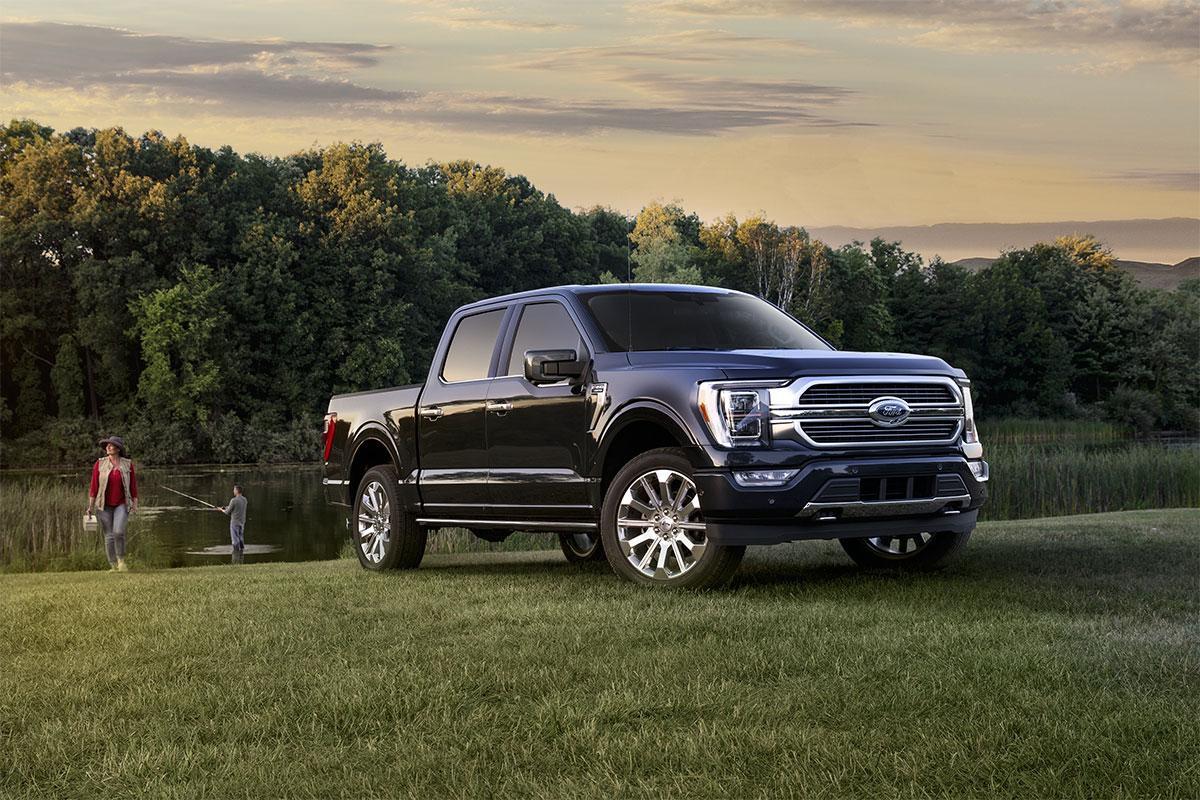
[
  {"x": 653, "y": 526},
  {"x": 385, "y": 536},
  {"x": 582, "y": 546},
  {"x": 914, "y": 551}
]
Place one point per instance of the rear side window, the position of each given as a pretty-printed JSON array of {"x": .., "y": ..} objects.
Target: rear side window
[
  {"x": 470, "y": 352},
  {"x": 543, "y": 326}
]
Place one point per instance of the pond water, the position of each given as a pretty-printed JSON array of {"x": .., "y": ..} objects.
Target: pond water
[{"x": 287, "y": 518}]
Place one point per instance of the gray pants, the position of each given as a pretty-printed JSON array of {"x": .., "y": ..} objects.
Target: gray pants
[{"x": 114, "y": 520}]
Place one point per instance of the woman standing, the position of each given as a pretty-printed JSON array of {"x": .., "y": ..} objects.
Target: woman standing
[{"x": 113, "y": 495}]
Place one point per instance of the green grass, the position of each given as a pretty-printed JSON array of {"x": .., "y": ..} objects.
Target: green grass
[{"x": 1055, "y": 658}]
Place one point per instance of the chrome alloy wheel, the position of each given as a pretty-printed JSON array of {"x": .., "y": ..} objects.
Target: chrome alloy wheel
[
  {"x": 374, "y": 522},
  {"x": 659, "y": 525},
  {"x": 899, "y": 547}
]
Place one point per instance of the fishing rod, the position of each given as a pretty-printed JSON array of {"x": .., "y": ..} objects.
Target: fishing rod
[{"x": 188, "y": 496}]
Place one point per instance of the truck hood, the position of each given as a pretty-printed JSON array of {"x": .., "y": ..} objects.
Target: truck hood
[{"x": 761, "y": 364}]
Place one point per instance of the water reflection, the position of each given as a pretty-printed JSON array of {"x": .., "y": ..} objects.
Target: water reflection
[
  {"x": 236, "y": 555},
  {"x": 287, "y": 518}
]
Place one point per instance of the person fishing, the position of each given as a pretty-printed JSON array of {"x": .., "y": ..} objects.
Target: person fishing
[
  {"x": 236, "y": 511},
  {"x": 112, "y": 497}
]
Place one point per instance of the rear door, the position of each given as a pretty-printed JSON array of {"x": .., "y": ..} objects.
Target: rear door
[
  {"x": 450, "y": 428},
  {"x": 538, "y": 443}
]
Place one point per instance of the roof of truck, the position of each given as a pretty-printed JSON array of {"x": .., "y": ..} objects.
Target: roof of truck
[{"x": 598, "y": 289}]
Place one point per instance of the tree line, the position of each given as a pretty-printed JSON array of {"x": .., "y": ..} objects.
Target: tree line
[{"x": 207, "y": 303}]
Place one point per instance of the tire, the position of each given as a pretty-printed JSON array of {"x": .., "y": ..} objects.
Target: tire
[
  {"x": 673, "y": 555},
  {"x": 922, "y": 551},
  {"x": 384, "y": 534},
  {"x": 582, "y": 547}
]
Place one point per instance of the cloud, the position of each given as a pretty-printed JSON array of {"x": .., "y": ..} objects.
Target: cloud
[
  {"x": 49, "y": 52},
  {"x": 681, "y": 103},
  {"x": 781, "y": 94},
  {"x": 250, "y": 89},
  {"x": 468, "y": 18},
  {"x": 278, "y": 79},
  {"x": 683, "y": 47},
  {"x": 542, "y": 115},
  {"x": 1181, "y": 180},
  {"x": 1105, "y": 33}
]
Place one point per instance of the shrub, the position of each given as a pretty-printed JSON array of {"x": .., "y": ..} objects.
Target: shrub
[{"x": 1137, "y": 408}]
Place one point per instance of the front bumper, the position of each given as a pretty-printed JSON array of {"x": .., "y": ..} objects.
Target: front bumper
[{"x": 823, "y": 501}]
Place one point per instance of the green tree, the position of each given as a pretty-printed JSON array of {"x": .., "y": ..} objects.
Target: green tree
[
  {"x": 929, "y": 306},
  {"x": 662, "y": 252},
  {"x": 858, "y": 301},
  {"x": 181, "y": 330},
  {"x": 610, "y": 231},
  {"x": 67, "y": 378},
  {"x": 1022, "y": 364}
]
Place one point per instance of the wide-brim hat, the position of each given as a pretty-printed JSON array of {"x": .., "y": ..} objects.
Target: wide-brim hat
[{"x": 117, "y": 440}]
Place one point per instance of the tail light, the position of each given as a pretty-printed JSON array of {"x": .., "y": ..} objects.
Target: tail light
[{"x": 330, "y": 427}]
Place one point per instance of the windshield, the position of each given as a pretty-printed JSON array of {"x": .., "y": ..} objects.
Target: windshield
[{"x": 675, "y": 320}]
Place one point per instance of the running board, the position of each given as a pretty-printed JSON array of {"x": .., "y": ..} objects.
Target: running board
[{"x": 507, "y": 524}]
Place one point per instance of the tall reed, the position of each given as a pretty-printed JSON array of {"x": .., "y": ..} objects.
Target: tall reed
[
  {"x": 41, "y": 528},
  {"x": 1016, "y": 430},
  {"x": 1082, "y": 468}
]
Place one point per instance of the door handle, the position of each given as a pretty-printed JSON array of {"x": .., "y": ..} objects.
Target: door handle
[
  {"x": 498, "y": 406},
  {"x": 431, "y": 413}
]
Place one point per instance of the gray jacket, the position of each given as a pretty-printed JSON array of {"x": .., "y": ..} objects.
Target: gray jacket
[{"x": 237, "y": 510}]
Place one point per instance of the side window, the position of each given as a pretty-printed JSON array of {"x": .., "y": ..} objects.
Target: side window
[
  {"x": 543, "y": 326},
  {"x": 470, "y": 351}
]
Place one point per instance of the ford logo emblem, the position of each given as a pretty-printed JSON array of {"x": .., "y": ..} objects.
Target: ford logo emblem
[{"x": 888, "y": 412}]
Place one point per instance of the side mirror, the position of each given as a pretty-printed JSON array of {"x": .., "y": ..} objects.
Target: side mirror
[{"x": 552, "y": 366}]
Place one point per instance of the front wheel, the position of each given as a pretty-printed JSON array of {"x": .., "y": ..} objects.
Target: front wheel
[
  {"x": 653, "y": 526},
  {"x": 385, "y": 536},
  {"x": 914, "y": 551}
]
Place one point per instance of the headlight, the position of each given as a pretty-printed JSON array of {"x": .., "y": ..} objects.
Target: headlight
[
  {"x": 737, "y": 414},
  {"x": 972, "y": 447}
]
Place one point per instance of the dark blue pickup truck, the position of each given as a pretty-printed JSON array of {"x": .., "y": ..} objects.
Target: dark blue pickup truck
[{"x": 664, "y": 428}]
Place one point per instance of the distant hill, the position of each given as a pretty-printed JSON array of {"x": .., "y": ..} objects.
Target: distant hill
[
  {"x": 1148, "y": 274},
  {"x": 1152, "y": 241}
]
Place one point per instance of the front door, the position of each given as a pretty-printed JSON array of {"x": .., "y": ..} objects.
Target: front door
[{"x": 538, "y": 444}]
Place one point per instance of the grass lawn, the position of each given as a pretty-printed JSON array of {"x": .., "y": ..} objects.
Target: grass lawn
[{"x": 1055, "y": 658}]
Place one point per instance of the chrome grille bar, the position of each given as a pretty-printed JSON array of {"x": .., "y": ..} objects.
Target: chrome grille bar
[{"x": 833, "y": 411}]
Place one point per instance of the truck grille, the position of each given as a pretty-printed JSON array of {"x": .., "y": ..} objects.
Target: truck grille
[
  {"x": 836, "y": 412},
  {"x": 841, "y": 394},
  {"x": 866, "y": 432}
]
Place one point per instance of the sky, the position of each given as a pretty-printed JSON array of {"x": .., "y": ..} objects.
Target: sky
[{"x": 812, "y": 112}]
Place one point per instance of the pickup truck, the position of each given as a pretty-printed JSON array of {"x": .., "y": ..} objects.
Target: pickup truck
[{"x": 663, "y": 428}]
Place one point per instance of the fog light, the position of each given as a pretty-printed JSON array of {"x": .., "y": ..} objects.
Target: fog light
[
  {"x": 764, "y": 477},
  {"x": 979, "y": 469}
]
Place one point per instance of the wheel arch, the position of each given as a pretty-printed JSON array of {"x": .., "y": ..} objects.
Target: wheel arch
[
  {"x": 372, "y": 448},
  {"x": 637, "y": 428}
]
